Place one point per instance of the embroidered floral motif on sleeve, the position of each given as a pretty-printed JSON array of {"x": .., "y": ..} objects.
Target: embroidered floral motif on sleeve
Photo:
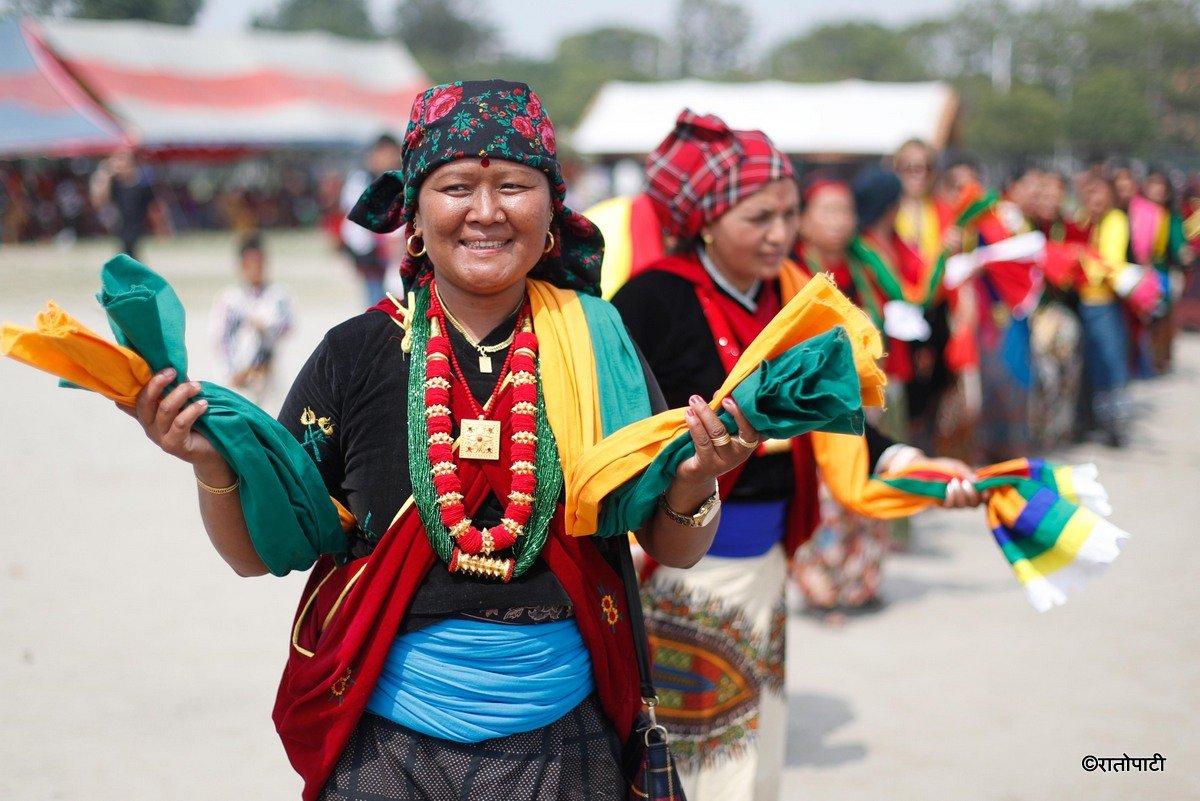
[{"x": 317, "y": 432}]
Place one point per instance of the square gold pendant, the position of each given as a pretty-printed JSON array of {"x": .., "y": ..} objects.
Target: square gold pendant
[{"x": 479, "y": 439}]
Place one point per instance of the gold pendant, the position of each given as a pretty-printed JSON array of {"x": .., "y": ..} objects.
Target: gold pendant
[
  {"x": 479, "y": 439},
  {"x": 485, "y": 363}
]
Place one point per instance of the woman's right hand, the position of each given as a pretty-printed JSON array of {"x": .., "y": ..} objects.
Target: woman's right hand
[{"x": 169, "y": 420}]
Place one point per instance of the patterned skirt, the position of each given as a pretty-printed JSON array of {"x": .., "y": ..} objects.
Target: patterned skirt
[
  {"x": 1055, "y": 342},
  {"x": 840, "y": 565},
  {"x": 717, "y": 636},
  {"x": 576, "y": 758}
]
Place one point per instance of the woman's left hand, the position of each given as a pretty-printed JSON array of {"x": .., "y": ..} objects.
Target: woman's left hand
[
  {"x": 960, "y": 492},
  {"x": 717, "y": 451}
]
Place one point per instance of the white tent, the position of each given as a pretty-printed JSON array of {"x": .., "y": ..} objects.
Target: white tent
[{"x": 846, "y": 118}]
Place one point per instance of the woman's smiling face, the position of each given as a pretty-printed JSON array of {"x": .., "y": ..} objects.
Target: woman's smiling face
[{"x": 484, "y": 228}]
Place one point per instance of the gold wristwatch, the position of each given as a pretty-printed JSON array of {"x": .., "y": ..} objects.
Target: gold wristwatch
[{"x": 702, "y": 517}]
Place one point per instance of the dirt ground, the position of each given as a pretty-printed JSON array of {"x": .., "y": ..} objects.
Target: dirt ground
[{"x": 136, "y": 665}]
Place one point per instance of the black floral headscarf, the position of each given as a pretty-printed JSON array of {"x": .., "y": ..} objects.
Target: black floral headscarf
[{"x": 484, "y": 119}]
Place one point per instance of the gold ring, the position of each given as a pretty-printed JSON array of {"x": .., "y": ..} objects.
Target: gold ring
[
  {"x": 722, "y": 439},
  {"x": 744, "y": 443}
]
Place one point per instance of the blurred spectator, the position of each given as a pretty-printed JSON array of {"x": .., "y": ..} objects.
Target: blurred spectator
[
  {"x": 1124, "y": 183},
  {"x": 369, "y": 251},
  {"x": 1105, "y": 329},
  {"x": 925, "y": 226},
  {"x": 1055, "y": 329},
  {"x": 121, "y": 183},
  {"x": 248, "y": 320},
  {"x": 1164, "y": 247}
]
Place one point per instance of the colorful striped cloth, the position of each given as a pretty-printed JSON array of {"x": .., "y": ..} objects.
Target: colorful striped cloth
[{"x": 1047, "y": 519}]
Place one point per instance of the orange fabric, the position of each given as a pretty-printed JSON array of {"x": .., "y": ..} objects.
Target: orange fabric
[
  {"x": 62, "y": 346},
  {"x": 816, "y": 307},
  {"x": 345, "y": 516},
  {"x": 842, "y": 461}
]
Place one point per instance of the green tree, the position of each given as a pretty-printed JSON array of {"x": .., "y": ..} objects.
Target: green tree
[
  {"x": 347, "y": 18},
  {"x": 632, "y": 52},
  {"x": 710, "y": 38},
  {"x": 34, "y": 8},
  {"x": 1154, "y": 44},
  {"x": 446, "y": 36},
  {"x": 581, "y": 64},
  {"x": 1109, "y": 113},
  {"x": 175, "y": 12},
  {"x": 584, "y": 62},
  {"x": 846, "y": 50},
  {"x": 1027, "y": 120},
  {"x": 1050, "y": 45},
  {"x": 961, "y": 44}
]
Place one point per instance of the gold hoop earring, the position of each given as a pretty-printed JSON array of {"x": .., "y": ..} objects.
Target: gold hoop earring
[
  {"x": 550, "y": 244},
  {"x": 408, "y": 246}
]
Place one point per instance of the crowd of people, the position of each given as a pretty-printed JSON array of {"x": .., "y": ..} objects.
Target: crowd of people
[
  {"x": 1031, "y": 345},
  {"x": 996, "y": 352},
  {"x": 476, "y": 645},
  {"x": 56, "y": 199}
]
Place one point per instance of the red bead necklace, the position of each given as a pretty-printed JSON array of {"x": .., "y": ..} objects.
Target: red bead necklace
[{"x": 440, "y": 366}]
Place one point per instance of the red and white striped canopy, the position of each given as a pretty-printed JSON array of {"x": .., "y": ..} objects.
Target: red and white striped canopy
[
  {"x": 43, "y": 111},
  {"x": 177, "y": 86}
]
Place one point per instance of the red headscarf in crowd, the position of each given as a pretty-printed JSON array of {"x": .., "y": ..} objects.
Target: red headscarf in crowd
[
  {"x": 704, "y": 168},
  {"x": 819, "y": 184}
]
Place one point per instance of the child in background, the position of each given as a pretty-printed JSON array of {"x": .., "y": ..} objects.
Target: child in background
[{"x": 248, "y": 320}]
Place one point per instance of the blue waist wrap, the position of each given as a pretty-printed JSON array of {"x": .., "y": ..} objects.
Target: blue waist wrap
[{"x": 471, "y": 680}]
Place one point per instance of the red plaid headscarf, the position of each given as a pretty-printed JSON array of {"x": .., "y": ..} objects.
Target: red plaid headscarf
[{"x": 703, "y": 169}]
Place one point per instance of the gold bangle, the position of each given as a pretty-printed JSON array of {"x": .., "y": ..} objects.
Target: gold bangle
[{"x": 211, "y": 490}]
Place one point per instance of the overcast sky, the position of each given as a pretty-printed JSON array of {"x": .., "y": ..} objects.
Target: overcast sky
[{"x": 534, "y": 26}]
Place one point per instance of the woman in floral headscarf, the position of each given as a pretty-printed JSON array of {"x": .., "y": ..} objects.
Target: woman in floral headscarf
[
  {"x": 717, "y": 630},
  {"x": 462, "y": 644}
]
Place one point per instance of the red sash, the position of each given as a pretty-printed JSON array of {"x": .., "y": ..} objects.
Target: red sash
[{"x": 349, "y": 616}]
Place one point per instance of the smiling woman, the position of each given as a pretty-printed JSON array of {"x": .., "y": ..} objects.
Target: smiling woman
[
  {"x": 483, "y": 226},
  {"x": 461, "y": 644},
  {"x": 729, "y": 200}
]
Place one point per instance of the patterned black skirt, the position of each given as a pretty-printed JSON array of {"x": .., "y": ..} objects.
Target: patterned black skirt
[{"x": 576, "y": 758}]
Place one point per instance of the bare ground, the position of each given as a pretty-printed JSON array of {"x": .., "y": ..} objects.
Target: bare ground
[{"x": 135, "y": 665}]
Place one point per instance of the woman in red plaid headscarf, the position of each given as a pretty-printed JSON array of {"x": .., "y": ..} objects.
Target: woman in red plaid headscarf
[{"x": 730, "y": 201}]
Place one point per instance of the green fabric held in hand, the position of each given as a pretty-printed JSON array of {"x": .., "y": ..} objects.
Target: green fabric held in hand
[
  {"x": 288, "y": 511},
  {"x": 812, "y": 386},
  {"x": 622, "y": 385}
]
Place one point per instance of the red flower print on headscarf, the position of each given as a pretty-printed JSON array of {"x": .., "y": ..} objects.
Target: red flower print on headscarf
[
  {"x": 546, "y": 132},
  {"x": 523, "y": 126},
  {"x": 413, "y": 139},
  {"x": 441, "y": 103},
  {"x": 504, "y": 121}
]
